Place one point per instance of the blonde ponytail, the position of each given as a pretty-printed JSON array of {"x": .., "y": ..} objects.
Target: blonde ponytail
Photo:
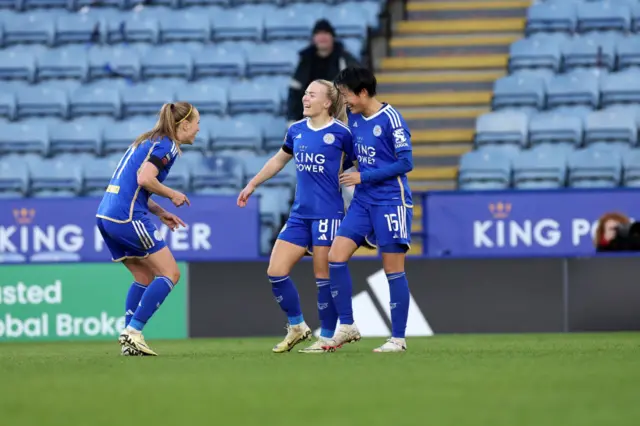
[
  {"x": 338, "y": 109},
  {"x": 169, "y": 117}
]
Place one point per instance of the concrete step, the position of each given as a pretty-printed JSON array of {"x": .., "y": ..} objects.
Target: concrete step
[
  {"x": 453, "y": 45},
  {"x": 426, "y": 82},
  {"x": 441, "y": 151},
  {"x": 442, "y": 136},
  {"x": 461, "y": 26},
  {"x": 470, "y": 62},
  {"x": 463, "y": 119},
  {"x": 433, "y": 173},
  {"x": 466, "y": 10},
  {"x": 433, "y": 186},
  {"x": 399, "y": 100}
]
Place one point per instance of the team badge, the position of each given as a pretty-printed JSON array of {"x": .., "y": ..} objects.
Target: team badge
[
  {"x": 157, "y": 235},
  {"x": 329, "y": 138},
  {"x": 377, "y": 130}
]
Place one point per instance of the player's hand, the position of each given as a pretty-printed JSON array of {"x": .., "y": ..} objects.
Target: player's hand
[
  {"x": 178, "y": 199},
  {"x": 243, "y": 198},
  {"x": 172, "y": 221},
  {"x": 350, "y": 179}
]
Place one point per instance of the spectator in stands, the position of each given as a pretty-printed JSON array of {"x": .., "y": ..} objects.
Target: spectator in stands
[
  {"x": 607, "y": 237},
  {"x": 323, "y": 59}
]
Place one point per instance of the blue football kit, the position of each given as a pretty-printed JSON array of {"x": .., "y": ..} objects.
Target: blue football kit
[
  {"x": 320, "y": 156},
  {"x": 382, "y": 203},
  {"x": 123, "y": 215}
]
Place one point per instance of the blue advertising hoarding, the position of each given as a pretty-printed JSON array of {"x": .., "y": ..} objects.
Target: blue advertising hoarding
[
  {"x": 520, "y": 223},
  {"x": 64, "y": 229}
]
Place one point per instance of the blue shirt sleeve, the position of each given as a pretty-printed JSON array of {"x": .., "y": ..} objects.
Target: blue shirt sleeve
[
  {"x": 347, "y": 148},
  {"x": 288, "y": 142},
  {"x": 402, "y": 166},
  {"x": 164, "y": 152}
]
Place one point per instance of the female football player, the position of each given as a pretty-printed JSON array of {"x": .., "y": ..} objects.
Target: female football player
[
  {"x": 320, "y": 143},
  {"x": 124, "y": 222}
]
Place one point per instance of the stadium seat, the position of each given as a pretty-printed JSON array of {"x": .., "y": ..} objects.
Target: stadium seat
[
  {"x": 120, "y": 135},
  {"x": 24, "y": 138},
  {"x": 64, "y": 62},
  {"x": 274, "y": 202},
  {"x": 217, "y": 172},
  {"x": 8, "y": 104},
  {"x": 594, "y": 168},
  {"x": 18, "y": 64},
  {"x": 539, "y": 169},
  {"x": 631, "y": 162},
  {"x": 14, "y": 178},
  {"x": 138, "y": 27},
  {"x": 616, "y": 127},
  {"x": 518, "y": 91},
  {"x": 482, "y": 170},
  {"x": 551, "y": 17},
  {"x": 95, "y": 99},
  {"x": 635, "y": 17},
  {"x": 555, "y": 129},
  {"x": 184, "y": 26},
  {"x": 74, "y": 137},
  {"x": 113, "y": 62},
  {"x": 347, "y": 20},
  {"x": 590, "y": 51},
  {"x": 501, "y": 128},
  {"x": 238, "y": 24},
  {"x": 66, "y": 86},
  {"x": 274, "y": 133},
  {"x": 37, "y": 101},
  {"x": 144, "y": 99},
  {"x": 180, "y": 176},
  {"x": 248, "y": 97},
  {"x": 628, "y": 51},
  {"x": 55, "y": 177},
  {"x": 97, "y": 173},
  {"x": 509, "y": 151},
  {"x": 236, "y": 135},
  {"x": 576, "y": 89},
  {"x": 213, "y": 62},
  {"x": 77, "y": 28},
  {"x": 621, "y": 88},
  {"x": 268, "y": 59},
  {"x": 33, "y": 27},
  {"x": 210, "y": 99},
  {"x": 295, "y": 21},
  {"x": 534, "y": 53},
  {"x": 603, "y": 16},
  {"x": 165, "y": 62}
]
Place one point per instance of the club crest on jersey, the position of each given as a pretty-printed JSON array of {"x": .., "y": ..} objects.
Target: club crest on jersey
[
  {"x": 377, "y": 130},
  {"x": 329, "y": 138},
  {"x": 157, "y": 235}
]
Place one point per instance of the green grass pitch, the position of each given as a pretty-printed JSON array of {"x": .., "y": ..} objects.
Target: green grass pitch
[{"x": 506, "y": 380}]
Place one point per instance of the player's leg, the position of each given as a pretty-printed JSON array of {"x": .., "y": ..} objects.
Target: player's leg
[
  {"x": 393, "y": 228},
  {"x": 142, "y": 277},
  {"x": 289, "y": 248}
]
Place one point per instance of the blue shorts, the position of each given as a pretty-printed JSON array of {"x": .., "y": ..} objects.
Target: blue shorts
[
  {"x": 390, "y": 224},
  {"x": 136, "y": 239},
  {"x": 310, "y": 232}
]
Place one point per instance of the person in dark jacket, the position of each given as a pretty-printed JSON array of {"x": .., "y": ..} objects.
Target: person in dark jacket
[{"x": 323, "y": 59}]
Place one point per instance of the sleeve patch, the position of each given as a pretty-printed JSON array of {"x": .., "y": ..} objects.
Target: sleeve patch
[{"x": 400, "y": 138}]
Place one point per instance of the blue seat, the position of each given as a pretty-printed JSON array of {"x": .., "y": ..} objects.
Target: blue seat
[
  {"x": 347, "y": 20},
  {"x": 273, "y": 133},
  {"x": 65, "y": 62},
  {"x": 8, "y": 105},
  {"x": 120, "y": 135},
  {"x": 14, "y": 178},
  {"x": 621, "y": 88},
  {"x": 595, "y": 51},
  {"x": 34, "y": 27},
  {"x": 247, "y": 97},
  {"x": 138, "y": 27},
  {"x": 534, "y": 53},
  {"x": 550, "y": 17},
  {"x": 518, "y": 91},
  {"x": 17, "y": 64},
  {"x": 36, "y": 101},
  {"x": 114, "y": 62},
  {"x": 594, "y": 168},
  {"x": 217, "y": 172},
  {"x": 482, "y": 170},
  {"x": 164, "y": 62},
  {"x": 24, "y": 138},
  {"x": 210, "y": 4},
  {"x": 576, "y": 89},
  {"x": 292, "y": 22},
  {"x": 635, "y": 17},
  {"x": 218, "y": 62},
  {"x": 180, "y": 176},
  {"x": 604, "y": 16},
  {"x": 556, "y": 129},
  {"x": 144, "y": 99},
  {"x": 77, "y": 28},
  {"x": 236, "y": 135},
  {"x": 539, "y": 169},
  {"x": 67, "y": 86},
  {"x": 354, "y": 46},
  {"x": 210, "y": 99},
  {"x": 97, "y": 173},
  {"x": 184, "y": 26},
  {"x": 631, "y": 163},
  {"x": 509, "y": 151},
  {"x": 501, "y": 128},
  {"x": 628, "y": 51},
  {"x": 267, "y": 59},
  {"x": 74, "y": 137},
  {"x": 55, "y": 177},
  {"x": 274, "y": 203},
  {"x": 238, "y": 24},
  {"x": 617, "y": 127}
]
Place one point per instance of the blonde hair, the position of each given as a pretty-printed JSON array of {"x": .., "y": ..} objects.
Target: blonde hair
[
  {"x": 338, "y": 109},
  {"x": 169, "y": 117}
]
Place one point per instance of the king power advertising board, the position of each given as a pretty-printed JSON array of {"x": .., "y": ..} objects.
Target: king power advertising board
[
  {"x": 79, "y": 302},
  {"x": 520, "y": 223},
  {"x": 64, "y": 230}
]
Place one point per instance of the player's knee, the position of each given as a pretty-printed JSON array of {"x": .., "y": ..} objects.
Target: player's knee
[
  {"x": 335, "y": 256},
  {"x": 277, "y": 271},
  {"x": 173, "y": 274}
]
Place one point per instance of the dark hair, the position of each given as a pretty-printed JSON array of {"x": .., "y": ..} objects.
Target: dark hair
[{"x": 357, "y": 79}]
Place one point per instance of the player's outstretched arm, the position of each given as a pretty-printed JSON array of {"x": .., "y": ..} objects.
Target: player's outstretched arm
[
  {"x": 269, "y": 170},
  {"x": 148, "y": 179}
]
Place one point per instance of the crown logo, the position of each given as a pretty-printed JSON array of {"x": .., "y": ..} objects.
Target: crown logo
[
  {"x": 500, "y": 210},
  {"x": 24, "y": 216}
]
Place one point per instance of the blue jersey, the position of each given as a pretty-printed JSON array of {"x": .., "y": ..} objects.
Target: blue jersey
[
  {"x": 377, "y": 140},
  {"x": 124, "y": 199},
  {"x": 320, "y": 155}
]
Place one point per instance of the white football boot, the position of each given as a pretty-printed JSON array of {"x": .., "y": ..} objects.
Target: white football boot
[
  {"x": 346, "y": 333},
  {"x": 316, "y": 347},
  {"x": 134, "y": 339},
  {"x": 394, "y": 344},
  {"x": 295, "y": 335}
]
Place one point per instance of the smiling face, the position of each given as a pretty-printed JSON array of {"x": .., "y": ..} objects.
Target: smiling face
[
  {"x": 315, "y": 101},
  {"x": 355, "y": 103},
  {"x": 188, "y": 129}
]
